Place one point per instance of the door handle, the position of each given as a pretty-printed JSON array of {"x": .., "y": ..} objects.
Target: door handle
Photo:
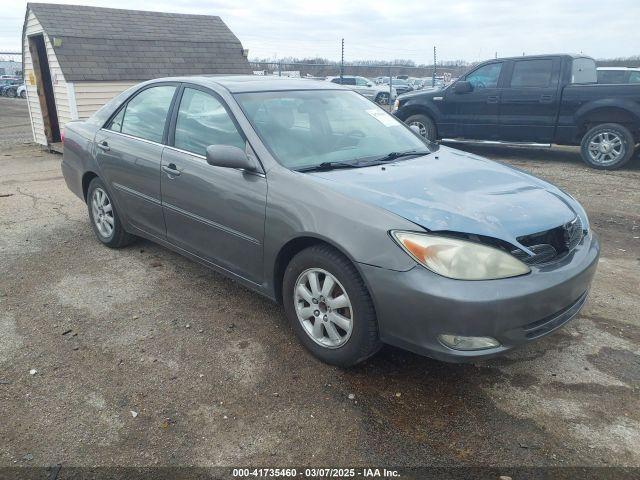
[
  {"x": 546, "y": 98},
  {"x": 104, "y": 146},
  {"x": 171, "y": 170},
  {"x": 492, "y": 99}
]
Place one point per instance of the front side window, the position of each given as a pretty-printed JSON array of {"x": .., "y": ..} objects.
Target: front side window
[
  {"x": 146, "y": 113},
  {"x": 116, "y": 123},
  {"x": 532, "y": 73},
  {"x": 634, "y": 77},
  {"x": 486, "y": 76},
  {"x": 202, "y": 121},
  {"x": 362, "y": 82},
  {"x": 306, "y": 128}
]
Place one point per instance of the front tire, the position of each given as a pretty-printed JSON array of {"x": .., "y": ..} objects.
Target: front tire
[
  {"x": 607, "y": 146},
  {"x": 425, "y": 125},
  {"x": 104, "y": 217},
  {"x": 382, "y": 98},
  {"x": 23, "y": 94},
  {"x": 329, "y": 307}
]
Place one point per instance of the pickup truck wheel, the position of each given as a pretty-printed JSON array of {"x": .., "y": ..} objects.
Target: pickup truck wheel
[
  {"x": 607, "y": 146},
  {"x": 425, "y": 124},
  {"x": 329, "y": 307}
]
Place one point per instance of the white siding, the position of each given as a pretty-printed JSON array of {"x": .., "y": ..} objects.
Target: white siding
[
  {"x": 90, "y": 96},
  {"x": 59, "y": 85}
]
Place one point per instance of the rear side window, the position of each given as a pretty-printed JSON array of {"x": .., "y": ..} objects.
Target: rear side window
[
  {"x": 202, "y": 121},
  {"x": 583, "y": 70},
  {"x": 532, "y": 73},
  {"x": 146, "y": 114}
]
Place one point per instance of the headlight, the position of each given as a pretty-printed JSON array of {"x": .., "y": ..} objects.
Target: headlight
[{"x": 459, "y": 259}]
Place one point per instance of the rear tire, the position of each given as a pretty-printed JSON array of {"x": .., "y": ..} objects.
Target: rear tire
[
  {"x": 607, "y": 146},
  {"x": 425, "y": 124},
  {"x": 104, "y": 217},
  {"x": 319, "y": 305}
]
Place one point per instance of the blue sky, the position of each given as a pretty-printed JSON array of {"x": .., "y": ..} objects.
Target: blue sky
[{"x": 408, "y": 29}]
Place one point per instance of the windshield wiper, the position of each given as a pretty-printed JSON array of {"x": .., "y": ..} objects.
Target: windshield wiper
[
  {"x": 394, "y": 155},
  {"x": 327, "y": 166}
]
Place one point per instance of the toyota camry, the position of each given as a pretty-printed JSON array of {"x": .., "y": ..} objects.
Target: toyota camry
[{"x": 313, "y": 196}]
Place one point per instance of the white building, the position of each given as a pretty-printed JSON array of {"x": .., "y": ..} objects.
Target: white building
[{"x": 76, "y": 58}]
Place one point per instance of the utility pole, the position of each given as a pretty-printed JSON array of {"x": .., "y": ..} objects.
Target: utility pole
[
  {"x": 433, "y": 79},
  {"x": 342, "y": 63}
]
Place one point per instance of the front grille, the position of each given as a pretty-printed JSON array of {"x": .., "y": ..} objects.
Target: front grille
[{"x": 551, "y": 244}]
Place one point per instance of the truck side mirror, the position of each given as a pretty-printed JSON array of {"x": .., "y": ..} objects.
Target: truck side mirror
[{"x": 463, "y": 87}]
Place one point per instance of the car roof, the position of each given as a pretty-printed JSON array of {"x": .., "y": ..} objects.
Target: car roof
[
  {"x": 626, "y": 69},
  {"x": 531, "y": 57},
  {"x": 255, "y": 83}
]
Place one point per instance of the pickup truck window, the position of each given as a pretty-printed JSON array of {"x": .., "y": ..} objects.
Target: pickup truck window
[
  {"x": 486, "y": 76},
  {"x": 612, "y": 76},
  {"x": 634, "y": 77},
  {"x": 532, "y": 73},
  {"x": 583, "y": 70}
]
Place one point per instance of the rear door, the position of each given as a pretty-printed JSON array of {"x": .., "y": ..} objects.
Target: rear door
[
  {"x": 530, "y": 100},
  {"x": 129, "y": 151},
  {"x": 213, "y": 212},
  {"x": 475, "y": 115}
]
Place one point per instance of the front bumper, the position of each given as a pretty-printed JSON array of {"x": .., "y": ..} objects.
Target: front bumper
[{"x": 416, "y": 306}]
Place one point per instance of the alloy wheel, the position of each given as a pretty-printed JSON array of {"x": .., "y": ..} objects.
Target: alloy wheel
[
  {"x": 606, "y": 148},
  {"x": 323, "y": 308},
  {"x": 102, "y": 210},
  {"x": 383, "y": 99},
  {"x": 421, "y": 126}
]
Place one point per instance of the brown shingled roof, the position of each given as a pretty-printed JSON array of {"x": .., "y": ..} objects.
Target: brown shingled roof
[{"x": 115, "y": 44}]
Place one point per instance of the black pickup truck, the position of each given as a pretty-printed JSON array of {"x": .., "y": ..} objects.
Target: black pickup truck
[{"x": 533, "y": 100}]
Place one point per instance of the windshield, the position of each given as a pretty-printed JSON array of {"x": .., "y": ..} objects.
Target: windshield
[{"x": 308, "y": 128}]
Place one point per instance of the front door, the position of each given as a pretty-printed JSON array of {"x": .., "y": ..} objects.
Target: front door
[
  {"x": 213, "y": 212},
  {"x": 129, "y": 151},
  {"x": 474, "y": 115},
  {"x": 530, "y": 101}
]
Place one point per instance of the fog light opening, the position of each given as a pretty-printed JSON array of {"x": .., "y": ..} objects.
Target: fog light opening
[{"x": 459, "y": 342}]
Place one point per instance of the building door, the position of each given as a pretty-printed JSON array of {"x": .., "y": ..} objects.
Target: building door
[{"x": 44, "y": 86}]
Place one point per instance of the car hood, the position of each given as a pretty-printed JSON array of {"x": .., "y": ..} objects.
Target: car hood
[{"x": 454, "y": 191}]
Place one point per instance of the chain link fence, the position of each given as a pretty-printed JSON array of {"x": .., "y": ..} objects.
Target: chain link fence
[{"x": 404, "y": 77}]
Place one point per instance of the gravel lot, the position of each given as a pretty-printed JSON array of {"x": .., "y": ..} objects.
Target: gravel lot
[{"x": 215, "y": 376}]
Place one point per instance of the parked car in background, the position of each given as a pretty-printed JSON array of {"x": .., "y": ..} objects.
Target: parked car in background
[
  {"x": 8, "y": 86},
  {"x": 21, "y": 91},
  {"x": 615, "y": 75},
  {"x": 367, "y": 88},
  {"x": 536, "y": 100},
  {"x": 401, "y": 86},
  {"x": 310, "y": 195}
]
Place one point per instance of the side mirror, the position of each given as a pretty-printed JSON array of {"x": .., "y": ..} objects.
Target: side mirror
[
  {"x": 463, "y": 87},
  {"x": 229, "y": 157},
  {"x": 369, "y": 84}
]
